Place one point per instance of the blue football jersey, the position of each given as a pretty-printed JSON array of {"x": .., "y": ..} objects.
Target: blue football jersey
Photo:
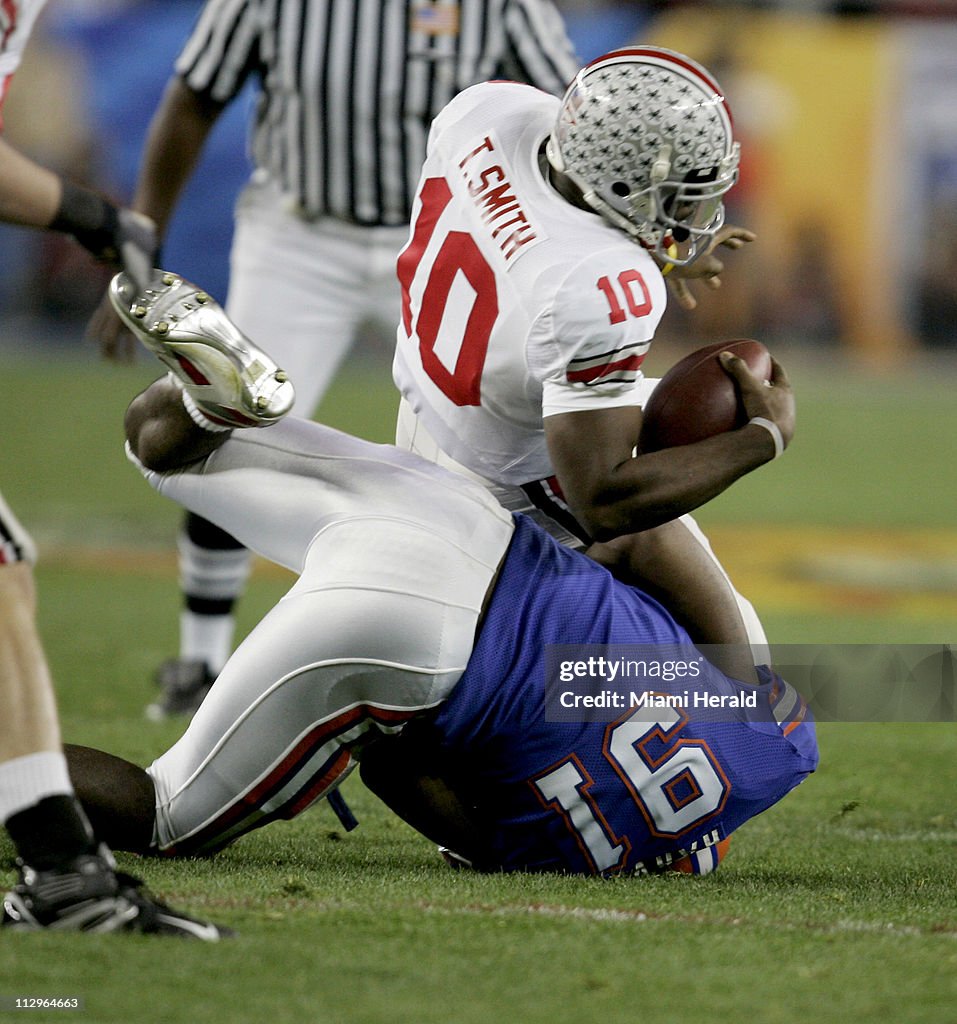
[{"x": 575, "y": 765}]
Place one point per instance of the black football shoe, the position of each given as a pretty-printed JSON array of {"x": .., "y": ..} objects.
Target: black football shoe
[
  {"x": 89, "y": 895},
  {"x": 183, "y": 683}
]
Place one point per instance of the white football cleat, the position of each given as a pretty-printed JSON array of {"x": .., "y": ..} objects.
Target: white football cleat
[{"x": 231, "y": 381}]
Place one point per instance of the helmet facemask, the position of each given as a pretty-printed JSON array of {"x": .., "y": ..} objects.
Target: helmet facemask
[{"x": 645, "y": 135}]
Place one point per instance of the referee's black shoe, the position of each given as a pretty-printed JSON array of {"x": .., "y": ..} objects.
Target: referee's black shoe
[{"x": 183, "y": 683}]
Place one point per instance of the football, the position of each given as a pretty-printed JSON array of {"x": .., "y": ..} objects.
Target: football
[{"x": 696, "y": 399}]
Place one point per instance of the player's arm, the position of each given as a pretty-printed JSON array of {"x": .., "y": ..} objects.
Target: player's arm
[
  {"x": 539, "y": 51},
  {"x": 614, "y": 492},
  {"x": 174, "y": 143},
  {"x": 410, "y": 775},
  {"x": 29, "y": 193},
  {"x": 34, "y": 196}
]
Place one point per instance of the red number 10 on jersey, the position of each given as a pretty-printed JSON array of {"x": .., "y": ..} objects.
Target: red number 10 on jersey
[
  {"x": 628, "y": 280},
  {"x": 459, "y": 254}
]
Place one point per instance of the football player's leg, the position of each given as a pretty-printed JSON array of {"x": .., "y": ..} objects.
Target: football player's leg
[
  {"x": 160, "y": 432},
  {"x": 395, "y": 560},
  {"x": 26, "y": 688},
  {"x": 213, "y": 571},
  {"x": 37, "y": 804},
  {"x": 118, "y": 797},
  {"x": 324, "y": 672},
  {"x": 308, "y": 325},
  {"x": 66, "y": 877}
]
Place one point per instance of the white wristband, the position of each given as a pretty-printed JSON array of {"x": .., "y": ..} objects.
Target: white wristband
[{"x": 773, "y": 429}]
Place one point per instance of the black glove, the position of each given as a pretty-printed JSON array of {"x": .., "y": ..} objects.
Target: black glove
[{"x": 113, "y": 235}]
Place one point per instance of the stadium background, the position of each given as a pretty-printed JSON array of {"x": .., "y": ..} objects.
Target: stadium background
[{"x": 841, "y": 902}]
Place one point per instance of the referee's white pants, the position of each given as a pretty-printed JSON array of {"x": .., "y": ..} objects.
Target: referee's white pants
[
  {"x": 302, "y": 289},
  {"x": 395, "y": 558}
]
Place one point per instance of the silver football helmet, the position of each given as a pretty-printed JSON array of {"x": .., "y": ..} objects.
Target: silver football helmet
[{"x": 647, "y": 137}]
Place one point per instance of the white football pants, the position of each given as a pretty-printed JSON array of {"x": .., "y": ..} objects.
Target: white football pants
[{"x": 394, "y": 556}]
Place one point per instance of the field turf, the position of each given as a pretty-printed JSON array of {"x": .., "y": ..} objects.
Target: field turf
[{"x": 840, "y": 904}]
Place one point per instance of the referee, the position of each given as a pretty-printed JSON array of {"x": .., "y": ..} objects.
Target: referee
[{"x": 347, "y": 93}]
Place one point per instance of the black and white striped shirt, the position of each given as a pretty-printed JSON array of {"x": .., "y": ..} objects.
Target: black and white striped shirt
[{"x": 349, "y": 88}]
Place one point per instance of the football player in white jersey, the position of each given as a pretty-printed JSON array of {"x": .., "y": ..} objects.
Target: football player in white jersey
[
  {"x": 532, "y": 286},
  {"x": 67, "y": 878},
  {"x": 416, "y": 634}
]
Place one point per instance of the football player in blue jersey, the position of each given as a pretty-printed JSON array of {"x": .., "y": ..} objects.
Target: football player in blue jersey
[{"x": 506, "y": 695}]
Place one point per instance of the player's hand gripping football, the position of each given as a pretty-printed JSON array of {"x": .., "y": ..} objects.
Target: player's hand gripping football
[
  {"x": 707, "y": 267},
  {"x": 771, "y": 399}
]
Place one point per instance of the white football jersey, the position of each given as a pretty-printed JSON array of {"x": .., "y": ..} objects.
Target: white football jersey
[
  {"x": 516, "y": 304},
  {"x": 16, "y": 21}
]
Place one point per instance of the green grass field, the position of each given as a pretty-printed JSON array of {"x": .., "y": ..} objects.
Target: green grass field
[{"x": 839, "y": 904}]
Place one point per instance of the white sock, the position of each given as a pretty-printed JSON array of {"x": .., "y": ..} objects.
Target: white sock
[
  {"x": 206, "y": 638},
  {"x": 213, "y": 574},
  {"x": 25, "y": 781}
]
